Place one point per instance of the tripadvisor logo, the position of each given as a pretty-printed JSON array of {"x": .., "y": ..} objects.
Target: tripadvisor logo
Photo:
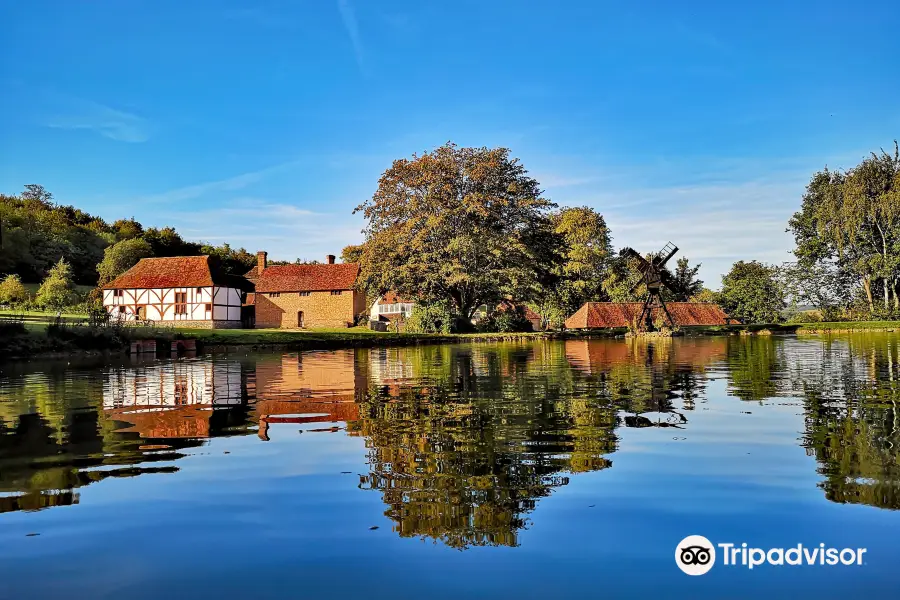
[{"x": 696, "y": 555}]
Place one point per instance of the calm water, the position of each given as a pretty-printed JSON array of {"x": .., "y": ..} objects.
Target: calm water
[{"x": 540, "y": 470}]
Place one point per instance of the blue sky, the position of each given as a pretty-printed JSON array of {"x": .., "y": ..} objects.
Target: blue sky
[{"x": 264, "y": 123}]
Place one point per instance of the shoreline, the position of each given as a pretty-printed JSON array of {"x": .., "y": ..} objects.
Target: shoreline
[{"x": 35, "y": 344}]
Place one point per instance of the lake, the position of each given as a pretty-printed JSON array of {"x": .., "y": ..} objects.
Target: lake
[{"x": 548, "y": 469}]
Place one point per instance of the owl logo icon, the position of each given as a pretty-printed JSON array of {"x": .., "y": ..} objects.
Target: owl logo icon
[{"x": 695, "y": 555}]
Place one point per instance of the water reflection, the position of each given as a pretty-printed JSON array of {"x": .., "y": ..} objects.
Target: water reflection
[{"x": 461, "y": 441}]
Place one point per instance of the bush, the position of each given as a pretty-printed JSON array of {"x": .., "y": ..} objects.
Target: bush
[
  {"x": 432, "y": 317},
  {"x": 12, "y": 291},
  {"x": 505, "y": 321}
]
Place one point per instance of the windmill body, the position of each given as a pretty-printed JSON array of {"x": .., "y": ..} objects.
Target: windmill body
[{"x": 654, "y": 276}]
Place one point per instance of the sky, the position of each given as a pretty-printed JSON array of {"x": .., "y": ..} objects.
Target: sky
[{"x": 264, "y": 123}]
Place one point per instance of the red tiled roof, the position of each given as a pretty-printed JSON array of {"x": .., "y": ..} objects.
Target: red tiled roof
[
  {"x": 175, "y": 271},
  {"x": 392, "y": 298},
  {"x": 308, "y": 278},
  {"x": 252, "y": 274},
  {"x": 620, "y": 314},
  {"x": 529, "y": 314}
]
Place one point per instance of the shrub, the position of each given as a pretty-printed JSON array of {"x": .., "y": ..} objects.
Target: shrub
[
  {"x": 432, "y": 317},
  {"x": 505, "y": 321},
  {"x": 12, "y": 291}
]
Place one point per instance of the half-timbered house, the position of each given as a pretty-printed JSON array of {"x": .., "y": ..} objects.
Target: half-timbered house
[{"x": 187, "y": 291}]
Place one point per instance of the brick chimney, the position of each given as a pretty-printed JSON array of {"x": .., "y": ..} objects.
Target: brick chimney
[
  {"x": 330, "y": 259},
  {"x": 261, "y": 261}
]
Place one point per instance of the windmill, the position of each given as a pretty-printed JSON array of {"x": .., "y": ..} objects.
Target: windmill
[{"x": 654, "y": 275}]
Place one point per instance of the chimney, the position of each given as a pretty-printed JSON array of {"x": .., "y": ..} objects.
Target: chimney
[
  {"x": 330, "y": 259},
  {"x": 261, "y": 261}
]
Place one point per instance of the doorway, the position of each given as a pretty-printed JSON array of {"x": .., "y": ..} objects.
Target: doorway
[
  {"x": 142, "y": 313},
  {"x": 300, "y": 319}
]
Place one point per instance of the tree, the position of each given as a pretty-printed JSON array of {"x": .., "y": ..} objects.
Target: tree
[
  {"x": 12, "y": 291},
  {"x": 352, "y": 253},
  {"x": 462, "y": 224},
  {"x": 751, "y": 292},
  {"x": 120, "y": 257},
  {"x": 585, "y": 251},
  {"x": 852, "y": 219},
  {"x": 687, "y": 283},
  {"x": 37, "y": 193},
  {"x": 706, "y": 296},
  {"x": 58, "y": 289},
  {"x": 127, "y": 228},
  {"x": 822, "y": 285}
]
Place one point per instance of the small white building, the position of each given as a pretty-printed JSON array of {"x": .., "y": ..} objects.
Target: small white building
[
  {"x": 391, "y": 307},
  {"x": 186, "y": 291}
]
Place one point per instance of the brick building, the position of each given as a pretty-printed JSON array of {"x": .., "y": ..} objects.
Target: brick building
[{"x": 303, "y": 296}]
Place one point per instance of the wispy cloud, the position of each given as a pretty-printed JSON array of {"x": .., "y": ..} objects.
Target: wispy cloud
[
  {"x": 348, "y": 17},
  {"x": 229, "y": 184},
  {"x": 284, "y": 230},
  {"x": 106, "y": 121}
]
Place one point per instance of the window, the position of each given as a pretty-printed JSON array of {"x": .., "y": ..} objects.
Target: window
[
  {"x": 121, "y": 309},
  {"x": 208, "y": 307},
  {"x": 304, "y": 293},
  {"x": 180, "y": 303},
  {"x": 118, "y": 293},
  {"x": 199, "y": 290},
  {"x": 274, "y": 294},
  {"x": 335, "y": 292}
]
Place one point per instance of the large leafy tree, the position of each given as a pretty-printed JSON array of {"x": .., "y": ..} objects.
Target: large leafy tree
[
  {"x": 466, "y": 225},
  {"x": 852, "y": 221},
  {"x": 120, "y": 257},
  {"x": 582, "y": 251},
  {"x": 751, "y": 292}
]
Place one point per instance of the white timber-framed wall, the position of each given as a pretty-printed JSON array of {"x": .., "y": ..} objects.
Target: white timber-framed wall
[{"x": 215, "y": 306}]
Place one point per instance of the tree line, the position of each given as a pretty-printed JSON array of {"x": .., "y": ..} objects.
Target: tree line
[{"x": 459, "y": 228}]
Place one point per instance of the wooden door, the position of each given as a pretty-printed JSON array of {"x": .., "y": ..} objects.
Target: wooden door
[{"x": 300, "y": 319}]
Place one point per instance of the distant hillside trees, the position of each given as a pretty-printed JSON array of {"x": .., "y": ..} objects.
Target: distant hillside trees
[{"x": 35, "y": 233}]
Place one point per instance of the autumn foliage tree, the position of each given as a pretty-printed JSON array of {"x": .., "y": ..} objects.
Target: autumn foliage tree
[{"x": 465, "y": 225}]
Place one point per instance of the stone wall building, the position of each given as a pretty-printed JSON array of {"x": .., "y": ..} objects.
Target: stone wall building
[{"x": 306, "y": 296}]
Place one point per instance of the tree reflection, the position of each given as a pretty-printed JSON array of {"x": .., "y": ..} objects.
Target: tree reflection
[{"x": 851, "y": 391}]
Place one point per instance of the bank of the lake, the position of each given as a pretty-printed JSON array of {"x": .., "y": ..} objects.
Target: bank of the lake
[{"x": 37, "y": 339}]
